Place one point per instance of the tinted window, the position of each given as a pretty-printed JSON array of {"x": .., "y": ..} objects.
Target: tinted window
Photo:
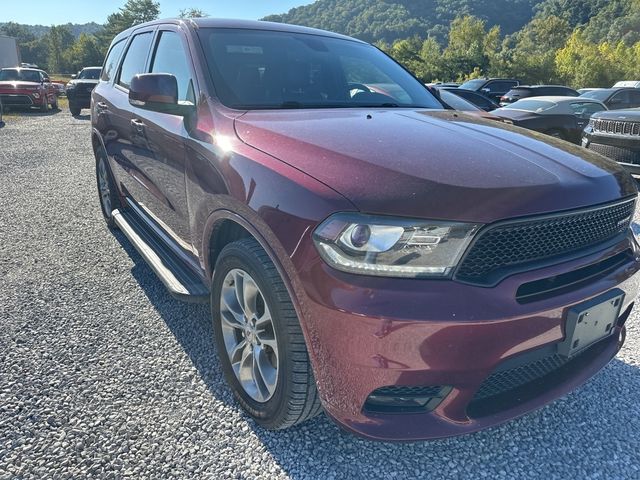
[
  {"x": 500, "y": 87},
  {"x": 620, "y": 99},
  {"x": 635, "y": 99},
  {"x": 170, "y": 57},
  {"x": 90, "y": 74},
  {"x": 111, "y": 63},
  {"x": 456, "y": 102},
  {"x": 11, "y": 74},
  {"x": 586, "y": 109},
  {"x": 473, "y": 97},
  {"x": 473, "y": 84},
  {"x": 562, "y": 91},
  {"x": 270, "y": 69},
  {"x": 135, "y": 59},
  {"x": 601, "y": 95},
  {"x": 531, "y": 105}
]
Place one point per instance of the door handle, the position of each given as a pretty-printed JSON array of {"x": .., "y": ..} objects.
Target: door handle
[
  {"x": 100, "y": 106},
  {"x": 138, "y": 125}
]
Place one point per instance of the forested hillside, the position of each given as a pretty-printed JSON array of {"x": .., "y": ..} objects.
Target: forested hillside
[
  {"x": 389, "y": 20},
  {"x": 577, "y": 42}
]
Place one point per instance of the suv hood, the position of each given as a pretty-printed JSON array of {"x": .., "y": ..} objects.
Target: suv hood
[
  {"x": 630, "y": 114},
  {"x": 435, "y": 164}
]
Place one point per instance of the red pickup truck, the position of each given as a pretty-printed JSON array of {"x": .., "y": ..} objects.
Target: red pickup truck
[{"x": 27, "y": 87}]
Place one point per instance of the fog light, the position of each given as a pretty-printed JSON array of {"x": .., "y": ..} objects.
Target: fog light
[
  {"x": 399, "y": 399},
  {"x": 36, "y": 95}
]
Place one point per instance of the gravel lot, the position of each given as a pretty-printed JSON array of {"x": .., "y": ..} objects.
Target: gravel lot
[{"x": 103, "y": 375}]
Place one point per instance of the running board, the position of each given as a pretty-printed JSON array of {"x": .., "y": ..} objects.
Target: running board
[{"x": 181, "y": 281}]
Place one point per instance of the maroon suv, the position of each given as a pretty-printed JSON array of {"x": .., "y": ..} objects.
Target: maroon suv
[{"x": 414, "y": 271}]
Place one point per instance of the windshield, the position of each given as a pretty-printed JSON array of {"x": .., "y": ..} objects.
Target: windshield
[
  {"x": 601, "y": 95},
  {"x": 12, "y": 75},
  {"x": 256, "y": 69},
  {"x": 456, "y": 102},
  {"x": 90, "y": 73},
  {"x": 530, "y": 105},
  {"x": 473, "y": 84}
]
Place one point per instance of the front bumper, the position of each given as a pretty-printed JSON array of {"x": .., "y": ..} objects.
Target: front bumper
[{"x": 368, "y": 333}]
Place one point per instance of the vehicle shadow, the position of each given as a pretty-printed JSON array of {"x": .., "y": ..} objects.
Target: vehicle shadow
[
  {"x": 33, "y": 113},
  {"x": 581, "y": 432}
]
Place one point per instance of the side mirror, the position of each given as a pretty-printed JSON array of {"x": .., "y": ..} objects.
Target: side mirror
[
  {"x": 157, "y": 92},
  {"x": 485, "y": 90},
  {"x": 74, "y": 76}
]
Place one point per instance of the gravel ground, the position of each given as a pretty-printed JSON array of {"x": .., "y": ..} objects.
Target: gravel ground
[{"x": 103, "y": 375}]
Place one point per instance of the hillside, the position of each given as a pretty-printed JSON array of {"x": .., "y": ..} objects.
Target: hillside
[
  {"x": 389, "y": 20},
  {"x": 75, "y": 29}
]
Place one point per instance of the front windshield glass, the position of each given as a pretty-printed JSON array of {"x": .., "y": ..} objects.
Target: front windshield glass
[
  {"x": 601, "y": 95},
  {"x": 530, "y": 105},
  {"x": 259, "y": 69},
  {"x": 14, "y": 74},
  {"x": 90, "y": 74},
  {"x": 473, "y": 84}
]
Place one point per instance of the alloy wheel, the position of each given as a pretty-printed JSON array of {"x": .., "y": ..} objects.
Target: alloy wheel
[
  {"x": 103, "y": 186},
  {"x": 249, "y": 335}
]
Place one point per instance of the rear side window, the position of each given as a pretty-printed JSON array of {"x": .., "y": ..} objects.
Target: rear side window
[
  {"x": 111, "y": 63},
  {"x": 586, "y": 109},
  {"x": 170, "y": 57},
  {"x": 475, "y": 98},
  {"x": 500, "y": 86},
  {"x": 135, "y": 59}
]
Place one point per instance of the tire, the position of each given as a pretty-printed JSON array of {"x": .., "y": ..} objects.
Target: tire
[
  {"x": 45, "y": 104},
  {"x": 75, "y": 111},
  {"x": 109, "y": 199},
  {"x": 294, "y": 396},
  {"x": 556, "y": 133}
]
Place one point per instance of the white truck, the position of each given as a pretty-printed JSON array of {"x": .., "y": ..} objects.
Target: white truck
[{"x": 9, "y": 52}]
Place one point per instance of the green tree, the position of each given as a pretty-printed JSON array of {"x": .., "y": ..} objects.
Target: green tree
[
  {"x": 192, "y": 13},
  {"x": 132, "y": 13},
  {"x": 530, "y": 54},
  {"x": 84, "y": 52},
  {"x": 58, "y": 40}
]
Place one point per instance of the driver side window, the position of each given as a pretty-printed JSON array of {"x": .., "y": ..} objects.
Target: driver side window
[{"x": 170, "y": 57}]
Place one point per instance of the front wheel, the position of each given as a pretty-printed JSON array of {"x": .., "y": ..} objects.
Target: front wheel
[
  {"x": 259, "y": 340},
  {"x": 45, "y": 104}
]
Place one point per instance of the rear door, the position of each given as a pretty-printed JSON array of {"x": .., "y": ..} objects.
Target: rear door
[{"x": 497, "y": 88}]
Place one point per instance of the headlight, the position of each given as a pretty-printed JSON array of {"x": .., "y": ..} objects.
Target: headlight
[{"x": 392, "y": 247}]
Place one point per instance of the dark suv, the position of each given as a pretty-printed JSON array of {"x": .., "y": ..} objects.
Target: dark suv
[
  {"x": 418, "y": 272},
  {"x": 494, "y": 88},
  {"x": 80, "y": 87},
  {"x": 525, "y": 91},
  {"x": 616, "y": 98},
  {"x": 616, "y": 134}
]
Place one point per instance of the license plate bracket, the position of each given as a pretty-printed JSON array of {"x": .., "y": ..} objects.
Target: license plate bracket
[{"x": 591, "y": 321}]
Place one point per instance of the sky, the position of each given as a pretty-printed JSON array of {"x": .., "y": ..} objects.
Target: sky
[{"x": 54, "y": 12}]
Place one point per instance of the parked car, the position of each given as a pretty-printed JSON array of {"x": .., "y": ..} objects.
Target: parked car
[
  {"x": 80, "y": 87},
  {"x": 455, "y": 102},
  {"x": 616, "y": 134},
  {"x": 27, "y": 87},
  {"x": 524, "y": 91},
  {"x": 416, "y": 272},
  {"x": 616, "y": 98},
  {"x": 478, "y": 99},
  {"x": 627, "y": 83},
  {"x": 494, "y": 88},
  {"x": 60, "y": 88},
  {"x": 560, "y": 117},
  {"x": 443, "y": 84},
  {"x": 585, "y": 90}
]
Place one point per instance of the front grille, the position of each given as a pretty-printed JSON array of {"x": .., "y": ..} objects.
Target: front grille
[
  {"x": 16, "y": 100},
  {"x": 618, "y": 154},
  {"x": 508, "y": 246},
  {"x": 616, "y": 127},
  {"x": 506, "y": 380}
]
